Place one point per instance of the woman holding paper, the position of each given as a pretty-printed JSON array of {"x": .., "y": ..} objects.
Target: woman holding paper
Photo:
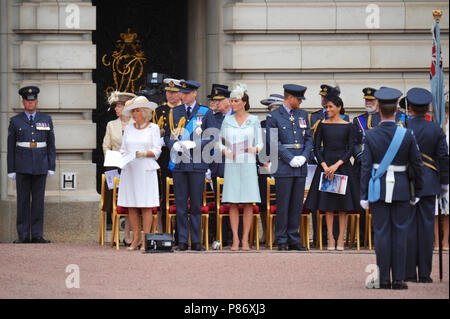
[
  {"x": 336, "y": 136},
  {"x": 241, "y": 141},
  {"x": 139, "y": 179},
  {"x": 112, "y": 142}
]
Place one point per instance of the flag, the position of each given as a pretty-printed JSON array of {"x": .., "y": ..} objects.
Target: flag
[{"x": 437, "y": 78}]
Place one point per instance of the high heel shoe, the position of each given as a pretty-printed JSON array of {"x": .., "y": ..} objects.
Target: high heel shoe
[
  {"x": 340, "y": 247},
  {"x": 133, "y": 248},
  {"x": 245, "y": 246},
  {"x": 235, "y": 247},
  {"x": 331, "y": 245},
  {"x": 125, "y": 243}
]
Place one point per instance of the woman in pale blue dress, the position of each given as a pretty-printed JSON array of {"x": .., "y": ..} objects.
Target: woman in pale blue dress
[{"x": 241, "y": 141}]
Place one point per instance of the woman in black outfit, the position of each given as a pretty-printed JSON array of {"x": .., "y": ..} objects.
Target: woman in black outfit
[{"x": 336, "y": 136}]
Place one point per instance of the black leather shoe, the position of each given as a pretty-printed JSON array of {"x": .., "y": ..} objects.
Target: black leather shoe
[
  {"x": 399, "y": 284},
  {"x": 425, "y": 280},
  {"x": 22, "y": 241},
  {"x": 282, "y": 247},
  {"x": 182, "y": 247},
  {"x": 197, "y": 247},
  {"x": 411, "y": 279},
  {"x": 40, "y": 240},
  {"x": 385, "y": 284},
  {"x": 297, "y": 247}
]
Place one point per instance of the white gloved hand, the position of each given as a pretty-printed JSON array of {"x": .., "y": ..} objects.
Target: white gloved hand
[
  {"x": 364, "y": 203},
  {"x": 162, "y": 142},
  {"x": 208, "y": 174},
  {"x": 12, "y": 176},
  {"x": 141, "y": 154},
  {"x": 444, "y": 189},
  {"x": 302, "y": 160},
  {"x": 50, "y": 173},
  {"x": 415, "y": 201},
  {"x": 294, "y": 162},
  {"x": 177, "y": 147}
]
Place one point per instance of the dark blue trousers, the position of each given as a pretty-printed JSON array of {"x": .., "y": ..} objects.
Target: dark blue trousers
[
  {"x": 391, "y": 224},
  {"x": 421, "y": 238},
  {"x": 188, "y": 185},
  {"x": 289, "y": 192},
  {"x": 30, "y": 205}
]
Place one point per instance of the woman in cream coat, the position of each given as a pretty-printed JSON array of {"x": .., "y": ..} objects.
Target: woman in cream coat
[{"x": 139, "y": 179}]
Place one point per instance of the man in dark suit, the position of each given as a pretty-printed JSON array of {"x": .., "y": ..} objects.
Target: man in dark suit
[
  {"x": 362, "y": 123},
  {"x": 294, "y": 147},
  {"x": 188, "y": 168},
  {"x": 434, "y": 151},
  {"x": 31, "y": 158},
  {"x": 390, "y": 194}
]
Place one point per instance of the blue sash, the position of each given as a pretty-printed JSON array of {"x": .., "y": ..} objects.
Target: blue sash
[
  {"x": 362, "y": 122},
  {"x": 374, "y": 182},
  {"x": 188, "y": 130}
]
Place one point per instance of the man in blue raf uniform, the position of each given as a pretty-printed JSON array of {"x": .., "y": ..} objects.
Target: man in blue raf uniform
[
  {"x": 385, "y": 182},
  {"x": 188, "y": 168},
  {"x": 294, "y": 148},
  {"x": 363, "y": 123},
  {"x": 31, "y": 158},
  {"x": 434, "y": 151}
]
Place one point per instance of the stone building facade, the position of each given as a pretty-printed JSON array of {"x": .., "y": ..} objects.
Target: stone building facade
[{"x": 264, "y": 44}]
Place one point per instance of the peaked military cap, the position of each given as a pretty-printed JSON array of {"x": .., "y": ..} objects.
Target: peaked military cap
[
  {"x": 387, "y": 95},
  {"x": 296, "y": 90},
  {"x": 189, "y": 86},
  {"x": 369, "y": 93},
  {"x": 419, "y": 97},
  {"x": 273, "y": 98},
  {"x": 29, "y": 93},
  {"x": 173, "y": 85},
  {"x": 213, "y": 89},
  {"x": 221, "y": 93},
  {"x": 324, "y": 89}
]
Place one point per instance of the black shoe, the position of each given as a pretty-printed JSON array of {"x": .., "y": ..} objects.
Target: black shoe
[
  {"x": 22, "y": 241},
  {"x": 385, "y": 284},
  {"x": 197, "y": 247},
  {"x": 126, "y": 244},
  {"x": 425, "y": 280},
  {"x": 399, "y": 284},
  {"x": 182, "y": 247},
  {"x": 40, "y": 240},
  {"x": 411, "y": 279},
  {"x": 282, "y": 247},
  {"x": 297, "y": 247}
]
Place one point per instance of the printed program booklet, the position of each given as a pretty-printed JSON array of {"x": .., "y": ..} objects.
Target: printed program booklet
[{"x": 337, "y": 185}]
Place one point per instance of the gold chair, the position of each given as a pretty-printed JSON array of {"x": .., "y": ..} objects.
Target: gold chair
[
  {"x": 272, "y": 212},
  {"x": 102, "y": 212},
  {"x": 171, "y": 213},
  {"x": 368, "y": 230},
  {"x": 119, "y": 211},
  {"x": 351, "y": 226},
  {"x": 223, "y": 210}
]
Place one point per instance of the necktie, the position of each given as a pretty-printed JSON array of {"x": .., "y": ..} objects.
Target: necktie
[
  {"x": 31, "y": 118},
  {"x": 188, "y": 112}
]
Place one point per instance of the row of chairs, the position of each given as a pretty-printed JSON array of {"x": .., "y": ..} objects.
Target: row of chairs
[{"x": 212, "y": 204}]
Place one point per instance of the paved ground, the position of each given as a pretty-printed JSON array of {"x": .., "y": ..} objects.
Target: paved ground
[{"x": 39, "y": 271}]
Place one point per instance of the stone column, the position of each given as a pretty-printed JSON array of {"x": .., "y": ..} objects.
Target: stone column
[{"x": 48, "y": 44}]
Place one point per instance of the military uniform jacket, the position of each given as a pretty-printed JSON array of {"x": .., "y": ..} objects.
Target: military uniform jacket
[
  {"x": 196, "y": 163},
  {"x": 161, "y": 117},
  {"x": 434, "y": 151},
  {"x": 376, "y": 143},
  {"x": 25, "y": 160},
  {"x": 291, "y": 133},
  {"x": 215, "y": 120},
  {"x": 363, "y": 123}
]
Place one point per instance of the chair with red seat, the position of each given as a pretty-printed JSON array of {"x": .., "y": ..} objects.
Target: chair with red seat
[
  {"x": 272, "y": 212},
  {"x": 119, "y": 211},
  {"x": 223, "y": 210},
  {"x": 171, "y": 213}
]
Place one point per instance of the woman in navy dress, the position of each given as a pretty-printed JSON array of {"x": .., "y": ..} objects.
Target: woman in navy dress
[{"x": 336, "y": 136}]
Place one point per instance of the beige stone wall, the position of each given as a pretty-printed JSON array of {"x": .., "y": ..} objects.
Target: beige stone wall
[
  {"x": 48, "y": 44},
  {"x": 268, "y": 43}
]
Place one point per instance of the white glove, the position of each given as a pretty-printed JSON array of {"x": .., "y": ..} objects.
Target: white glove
[
  {"x": 177, "y": 147},
  {"x": 50, "y": 173},
  {"x": 294, "y": 162},
  {"x": 444, "y": 189},
  {"x": 12, "y": 176},
  {"x": 302, "y": 160},
  {"x": 415, "y": 201},
  {"x": 208, "y": 174},
  {"x": 162, "y": 142},
  {"x": 364, "y": 203},
  {"x": 141, "y": 154}
]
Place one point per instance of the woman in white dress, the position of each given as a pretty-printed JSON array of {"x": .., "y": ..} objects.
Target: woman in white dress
[{"x": 139, "y": 179}]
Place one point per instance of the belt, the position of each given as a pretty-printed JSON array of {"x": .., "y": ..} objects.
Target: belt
[
  {"x": 297, "y": 146},
  {"x": 32, "y": 144},
  {"x": 390, "y": 179}
]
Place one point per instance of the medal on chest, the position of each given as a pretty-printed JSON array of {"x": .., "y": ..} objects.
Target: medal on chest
[{"x": 198, "y": 123}]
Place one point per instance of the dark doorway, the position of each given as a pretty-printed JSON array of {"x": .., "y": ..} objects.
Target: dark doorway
[{"x": 135, "y": 38}]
